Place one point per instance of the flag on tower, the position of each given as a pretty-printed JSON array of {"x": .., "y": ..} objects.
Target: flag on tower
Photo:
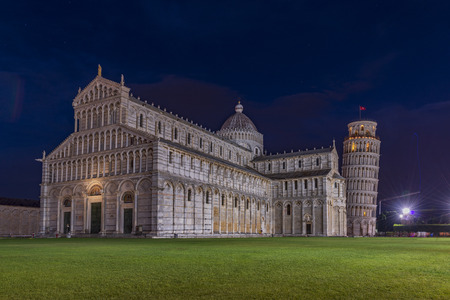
[{"x": 362, "y": 108}]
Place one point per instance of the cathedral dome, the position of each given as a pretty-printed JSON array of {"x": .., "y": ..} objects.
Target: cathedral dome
[{"x": 239, "y": 121}]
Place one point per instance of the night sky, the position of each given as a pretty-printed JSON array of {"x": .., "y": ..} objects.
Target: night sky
[{"x": 300, "y": 68}]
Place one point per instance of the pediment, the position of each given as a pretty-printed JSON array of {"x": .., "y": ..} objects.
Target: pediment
[
  {"x": 99, "y": 88},
  {"x": 62, "y": 150}
]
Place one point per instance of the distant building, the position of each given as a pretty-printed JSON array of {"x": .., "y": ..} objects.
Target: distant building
[
  {"x": 18, "y": 217},
  {"x": 131, "y": 167},
  {"x": 360, "y": 167}
]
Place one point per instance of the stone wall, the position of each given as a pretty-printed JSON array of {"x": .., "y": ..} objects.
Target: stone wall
[{"x": 18, "y": 220}]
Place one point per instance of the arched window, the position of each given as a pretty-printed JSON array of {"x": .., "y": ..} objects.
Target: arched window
[
  {"x": 131, "y": 165},
  {"x": 306, "y": 184},
  {"x": 296, "y": 184},
  {"x": 207, "y": 197},
  {"x": 128, "y": 197},
  {"x": 159, "y": 127},
  {"x": 223, "y": 200},
  {"x": 286, "y": 185},
  {"x": 284, "y": 165},
  {"x": 316, "y": 183},
  {"x": 317, "y": 161},
  {"x": 299, "y": 163},
  {"x": 175, "y": 133},
  {"x": 188, "y": 139},
  {"x": 236, "y": 202},
  {"x": 288, "y": 210},
  {"x": 170, "y": 157},
  {"x": 95, "y": 191},
  {"x": 141, "y": 121},
  {"x": 268, "y": 166},
  {"x": 189, "y": 195},
  {"x": 201, "y": 143},
  {"x": 257, "y": 206},
  {"x": 248, "y": 204},
  {"x": 67, "y": 203}
]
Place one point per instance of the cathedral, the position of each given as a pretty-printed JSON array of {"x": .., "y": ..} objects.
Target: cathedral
[{"x": 131, "y": 168}]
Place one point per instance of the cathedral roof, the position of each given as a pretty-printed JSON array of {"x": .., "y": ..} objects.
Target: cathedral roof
[
  {"x": 239, "y": 121},
  {"x": 299, "y": 174},
  {"x": 223, "y": 161},
  {"x": 292, "y": 154}
]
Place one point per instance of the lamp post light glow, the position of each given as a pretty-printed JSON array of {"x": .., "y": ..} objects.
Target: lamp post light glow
[
  {"x": 407, "y": 216},
  {"x": 406, "y": 211}
]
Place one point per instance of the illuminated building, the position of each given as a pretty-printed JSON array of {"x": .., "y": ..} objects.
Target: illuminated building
[
  {"x": 360, "y": 167},
  {"x": 131, "y": 167}
]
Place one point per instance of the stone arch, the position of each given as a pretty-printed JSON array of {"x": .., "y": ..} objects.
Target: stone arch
[
  {"x": 168, "y": 201},
  {"x": 179, "y": 207},
  {"x": 110, "y": 188},
  {"x": 199, "y": 189},
  {"x": 144, "y": 185},
  {"x": 287, "y": 217},
  {"x": 278, "y": 206},
  {"x": 126, "y": 185},
  {"x": 93, "y": 183},
  {"x": 79, "y": 190},
  {"x": 66, "y": 191},
  {"x": 356, "y": 227},
  {"x": 54, "y": 193},
  {"x": 14, "y": 220}
]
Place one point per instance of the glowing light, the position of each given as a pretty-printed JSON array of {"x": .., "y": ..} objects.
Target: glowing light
[
  {"x": 401, "y": 216},
  {"x": 406, "y": 211}
]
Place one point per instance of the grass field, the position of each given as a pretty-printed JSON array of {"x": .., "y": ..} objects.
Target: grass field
[{"x": 303, "y": 268}]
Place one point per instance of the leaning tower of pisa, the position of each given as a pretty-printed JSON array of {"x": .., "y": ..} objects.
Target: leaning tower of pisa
[{"x": 360, "y": 166}]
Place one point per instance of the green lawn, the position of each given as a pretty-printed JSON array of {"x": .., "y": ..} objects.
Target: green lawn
[{"x": 306, "y": 268}]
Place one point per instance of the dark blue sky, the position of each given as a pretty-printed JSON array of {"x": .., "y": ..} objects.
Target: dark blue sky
[{"x": 301, "y": 68}]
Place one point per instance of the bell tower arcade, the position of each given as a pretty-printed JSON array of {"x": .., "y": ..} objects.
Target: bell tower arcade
[{"x": 360, "y": 167}]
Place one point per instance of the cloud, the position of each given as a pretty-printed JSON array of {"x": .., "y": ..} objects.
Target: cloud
[
  {"x": 194, "y": 99},
  {"x": 437, "y": 106},
  {"x": 372, "y": 69}
]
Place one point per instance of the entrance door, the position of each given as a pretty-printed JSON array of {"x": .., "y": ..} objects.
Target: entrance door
[
  {"x": 96, "y": 217},
  {"x": 127, "y": 220},
  {"x": 308, "y": 228},
  {"x": 66, "y": 222}
]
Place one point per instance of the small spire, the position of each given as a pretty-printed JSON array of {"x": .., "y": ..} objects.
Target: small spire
[
  {"x": 334, "y": 143},
  {"x": 99, "y": 71},
  {"x": 79, "y": 90},
  {"x": 122, "y": 80}
]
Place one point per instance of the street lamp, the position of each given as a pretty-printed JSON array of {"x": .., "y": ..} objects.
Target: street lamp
[{"x": 406, "y": 211}]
